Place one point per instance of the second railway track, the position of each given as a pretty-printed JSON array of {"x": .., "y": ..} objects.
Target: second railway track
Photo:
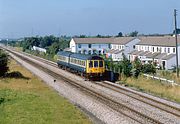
[
  {"x": 140, "y": 97},
  {"x": 133, "y": 114}
]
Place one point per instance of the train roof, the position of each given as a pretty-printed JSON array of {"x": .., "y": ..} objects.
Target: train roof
[{"x": 79, "y": 56}]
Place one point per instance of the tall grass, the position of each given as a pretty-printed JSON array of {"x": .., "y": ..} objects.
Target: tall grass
[{"x": 154, "y": 87}]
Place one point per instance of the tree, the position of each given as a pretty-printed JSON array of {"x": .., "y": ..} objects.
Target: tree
[
  {"x": 133, "y": 34},
  {"x": 3, "y": 63},
  {"x": 126, "y": 66},
  {"x": 149, "y": 69},
  {"x": 120, "y": 34},
  {"x": 137, "y": 65}
]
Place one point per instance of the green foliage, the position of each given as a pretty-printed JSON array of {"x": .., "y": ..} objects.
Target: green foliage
[
  {"x": 120, "y": 34},
  {"x": 3, "y": 63},
  {"x": 149, "y": 69},
  {"x": 137, "y": 65},
  {"x": 51, "y": 43},
  {"x": 133, "y": 34},
  {"x": 126, "y": 66}
]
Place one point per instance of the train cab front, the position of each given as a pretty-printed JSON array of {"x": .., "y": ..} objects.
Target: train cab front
[{"x": 95, "y": 69}]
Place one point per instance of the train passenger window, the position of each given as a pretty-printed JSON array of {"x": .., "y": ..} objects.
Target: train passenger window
[
  {"x": 95, "y": 64},
  {"x": 90, "y": 64},
  {"x": 100, "y": 63}
]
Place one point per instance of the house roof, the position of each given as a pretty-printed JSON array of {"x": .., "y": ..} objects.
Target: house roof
[
  {"x": 168, "y": 56},
  {"x": 135, "y": 52},
  {"x": 143, "y": 53},
  {"x": 122, "y": 40},
  {"x": 119, "y": 51},
  {"x": 93, "y": 40},
  {"x": 152, "y": 55},
  {"x": 112, "y": 40},
  {"x": 158, "y": 41},
  {"x": 160, "y": 55}
]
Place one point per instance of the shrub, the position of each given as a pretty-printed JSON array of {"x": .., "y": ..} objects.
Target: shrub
[
  {"x": 148, "y": 68},
  {"x": 3, "y": 63}
]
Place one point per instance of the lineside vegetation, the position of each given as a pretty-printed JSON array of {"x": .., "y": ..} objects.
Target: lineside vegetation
[{"x": 27, "y": 100}]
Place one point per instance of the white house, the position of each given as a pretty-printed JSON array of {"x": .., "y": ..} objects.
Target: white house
[
  {"x": 103, "y": 45},
  {"x": 90, "y": 45},
  {"x": 161, "y": 50},
  {"x": 115, "y": 54},
  {"x": 127, "y": 44}
]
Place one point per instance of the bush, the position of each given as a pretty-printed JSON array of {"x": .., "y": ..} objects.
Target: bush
[
  {"x": 148, "y": 68},
  {"x": 126, "y": 67},
  {"x": 3, "y": 63}
]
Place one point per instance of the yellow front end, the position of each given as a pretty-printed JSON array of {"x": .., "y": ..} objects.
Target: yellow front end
[{"x": 95, "y": 67}]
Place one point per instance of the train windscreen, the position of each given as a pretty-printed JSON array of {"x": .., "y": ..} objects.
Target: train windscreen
[
  {"x": 90, "y": 64},
  {"x": 100, "y": 63},
  {"x": 95, "y": 64}
]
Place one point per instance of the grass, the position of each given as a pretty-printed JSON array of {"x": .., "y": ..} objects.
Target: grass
[
  {"x": 168, "y": 75},
  {"x": 155, "y": 87},
  {"x": 30, "y": 101}
]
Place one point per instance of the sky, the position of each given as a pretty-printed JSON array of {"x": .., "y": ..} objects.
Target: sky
[{"x": 22, "y": 18}]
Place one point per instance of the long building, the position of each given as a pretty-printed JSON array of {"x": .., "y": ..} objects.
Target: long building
[
  {"x": 160, "y": 50},
  {"x": 104, "y": 46}
]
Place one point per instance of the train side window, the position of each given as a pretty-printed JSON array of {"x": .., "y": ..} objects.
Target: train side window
[
  {"x": 90, "y": 64},
  {"x": 95, "y": 64},
  {"x": 100, "y": 63}
]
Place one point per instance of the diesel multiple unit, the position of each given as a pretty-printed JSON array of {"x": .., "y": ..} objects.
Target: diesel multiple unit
[{"x": 88, "y": 65}]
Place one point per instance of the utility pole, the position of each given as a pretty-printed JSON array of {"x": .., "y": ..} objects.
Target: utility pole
[{"x": 177, "y": 69}]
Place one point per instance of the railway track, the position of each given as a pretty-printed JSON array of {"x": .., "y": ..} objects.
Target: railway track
[
  {"x": 135, "y": 95},
  {"x": 121, "y": 108},
  {"x": 147, "y": 100}
]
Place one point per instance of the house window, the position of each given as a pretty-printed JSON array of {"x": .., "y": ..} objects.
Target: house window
[
  {"x": 168, "y": 50},
  {"x": 89, "y": 45},
  {"x": 103, "y": 52},
  {"x": 165, "y": 50},
  {"x": 153, "y": 49},
  {"x": 174, "y": 50},
  {"x": 89, "y": 52},
  {"x": 79, "y": 45},
  {"x": 157, "y": 49},
  {"x": 94, "y": 51},
  {"x": 99, "y": 52},
  {"x": 134, "y": 46},
  {"x": 148, "y": 48},
  {"x": 99, "y": 45},
  {"x": 109, "y": 46},
  {"x": 84, "y": 51}
]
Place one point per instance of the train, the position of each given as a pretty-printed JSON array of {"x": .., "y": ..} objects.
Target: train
[{"x": 89, "y": 66}]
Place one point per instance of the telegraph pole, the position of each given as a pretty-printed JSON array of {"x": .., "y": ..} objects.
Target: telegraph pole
[{"x": 177, "y": 69}]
